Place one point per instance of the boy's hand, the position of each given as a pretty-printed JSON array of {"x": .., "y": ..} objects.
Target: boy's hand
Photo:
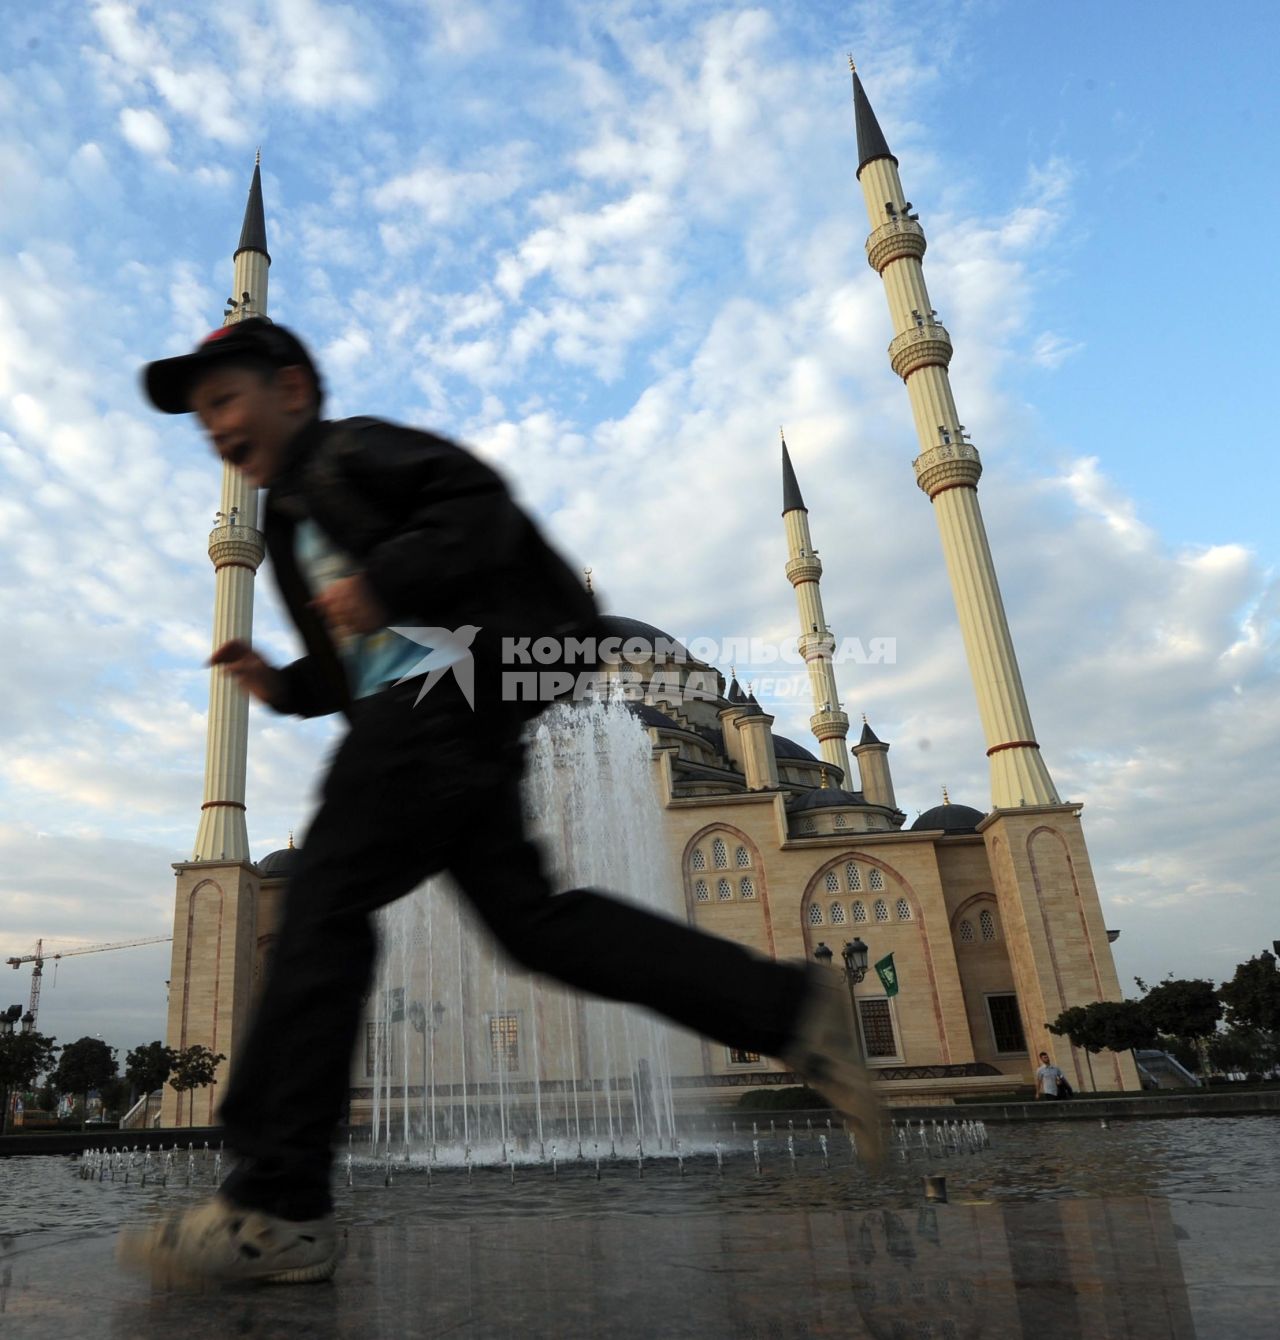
[
  {"x": 250, "y": 671},
  {"x": 349, "y": 605}
]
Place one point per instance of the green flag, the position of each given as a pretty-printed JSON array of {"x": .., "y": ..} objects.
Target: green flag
[{"x": 888, "y": 975}]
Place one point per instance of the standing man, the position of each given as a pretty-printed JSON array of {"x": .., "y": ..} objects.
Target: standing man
[
  {"x": 371, "y": 526},
  {"x": 1048, "y": 1078}
]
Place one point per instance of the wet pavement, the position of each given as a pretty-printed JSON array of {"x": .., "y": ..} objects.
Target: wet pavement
[{"x": 1153, "y": 1230}]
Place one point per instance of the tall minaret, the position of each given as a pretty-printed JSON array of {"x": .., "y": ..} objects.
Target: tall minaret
[
  {"x": 947, "y": 469},
  {"x": 216, "y": 917},
  {"x": 1051, "y": 917},
  {"x": 817, "y": 643},
  {"x": 236, "y": 550}
]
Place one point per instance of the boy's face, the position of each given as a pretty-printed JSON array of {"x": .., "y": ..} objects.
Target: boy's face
[{"x": 251, "y": 418}]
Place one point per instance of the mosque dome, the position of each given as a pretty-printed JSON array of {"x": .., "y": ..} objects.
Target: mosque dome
[
  {"x": 279, "y": 864},
  {"x": 651, "y": 716},
  {"x": 616, "y": 625},
  {"x": 784, "y": 748},
  {"x": 826, "y": 798},
  {"x": 950, "y": 818}
]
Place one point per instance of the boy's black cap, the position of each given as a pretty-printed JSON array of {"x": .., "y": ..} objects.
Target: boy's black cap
[{"x": 168, "y": 381}]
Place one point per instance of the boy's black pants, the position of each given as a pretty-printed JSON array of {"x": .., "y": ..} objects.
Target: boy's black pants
[{"x": 413, "y": 791}]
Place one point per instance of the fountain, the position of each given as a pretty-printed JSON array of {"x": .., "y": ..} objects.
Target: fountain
[{"x": 475, "y": 1061}]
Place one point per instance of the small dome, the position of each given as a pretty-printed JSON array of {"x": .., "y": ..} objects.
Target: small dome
[
  {"x": 615, "y": 625},
  {"x": 950, "y": 818},
  {"x": 826, "y": 798},
  {"x": 784, "y": 748},
  {"x": 651, "y": 716},
  {"x": 279, "y": 864}
]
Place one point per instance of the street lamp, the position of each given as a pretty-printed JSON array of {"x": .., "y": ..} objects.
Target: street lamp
[{"x": 854, "y": 956}]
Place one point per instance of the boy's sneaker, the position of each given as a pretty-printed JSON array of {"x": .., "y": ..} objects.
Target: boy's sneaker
[
  {"x": 825, "y": 1054},
  {"x": 220, "y": 1240}
]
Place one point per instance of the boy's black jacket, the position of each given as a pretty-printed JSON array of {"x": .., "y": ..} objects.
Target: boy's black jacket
[{"x": 437, "y": 535}]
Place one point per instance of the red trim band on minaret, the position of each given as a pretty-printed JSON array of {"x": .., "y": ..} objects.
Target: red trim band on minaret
[
  {"x": 962, "y": 484},
  {"x": 1012, "y": 744},
  {"x": 229, "y": 804}
]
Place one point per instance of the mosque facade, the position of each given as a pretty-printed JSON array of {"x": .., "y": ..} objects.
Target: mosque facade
[{"x": 986, "y": 921}]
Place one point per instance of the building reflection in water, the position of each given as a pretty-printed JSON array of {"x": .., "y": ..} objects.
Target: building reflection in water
[{"x": 1073, "y": 1267}]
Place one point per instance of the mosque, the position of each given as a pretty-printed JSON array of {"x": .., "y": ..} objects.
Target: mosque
[{"x": 987, "y": 922}]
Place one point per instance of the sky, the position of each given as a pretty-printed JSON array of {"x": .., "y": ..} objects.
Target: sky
[{"x": 614, "y": 247}]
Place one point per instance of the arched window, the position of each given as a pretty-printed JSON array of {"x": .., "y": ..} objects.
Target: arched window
[
  {"x": 833, "y": 884},
  {"x": 903, "y": 909},
  {"x": 841, "y": 821},
  {"x": 837, "y": 914},
  {"x": 882, "y": 912},
  {"x": 698, "y": 860},
  {"x": 966, "y": 932},
  {"x": 853, "y": 878},
  {"x": 701, "y": 892},
  {"x": 720, "y": 854},
  {"x": 875, "y": 879},
  {"x": 723, "y": 891},
  {"x": 809, "y": 826},
  {"x": 859, "y": 911},
  {"x": 988, "y": 924},
  {"x": 815, "y": 914},
  {"x": 747, "y": 888},
  {"x": 743, "y": 858}
]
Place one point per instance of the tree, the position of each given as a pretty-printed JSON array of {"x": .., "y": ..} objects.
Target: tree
[
  {"x": 1237, "y": 1049},
  {"x": 1186, "y": 1008},
  {"x": 23, "y": 1056},
  {"x": 193, "y": 1068},
  {"x": 115, "y": 1096},
  {"x": 146, "y": 1068},
  {"x": 1252, "y": 996},
  {"x": 87, "y": 1063},
  {"x": 1105, "y": 1025}
]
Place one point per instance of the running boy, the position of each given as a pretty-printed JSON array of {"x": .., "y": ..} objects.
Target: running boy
[{"x": 368, "y": 525}]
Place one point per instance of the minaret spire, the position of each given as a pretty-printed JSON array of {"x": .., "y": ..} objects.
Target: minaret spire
[
  {"x": 236, "y": 550},
  {"x": 871, "y": 140},
  {"x": 817, "y": 643},
  {"x": 791, "y": 499},
  {"x": 948, "y": 470},
  {"x": 253, "y": 231}
]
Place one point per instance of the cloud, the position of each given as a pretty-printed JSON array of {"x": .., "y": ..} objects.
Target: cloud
[
  {"x": 320, "y": 58},
  {"x": 459, "y": 27},
  {"x": 1051, "y": 350},
  {"x": 143, "y": 129},
  {"x": 430, "y": 195}
]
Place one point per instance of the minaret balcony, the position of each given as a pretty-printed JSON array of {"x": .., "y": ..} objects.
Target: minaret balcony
[
  {"x": 817, "y": 646},
  {"x": 920, "y": 347},
  {"x": 829, "y": 725},
  {"x": 948, "y": 465},
  {"x": 805, "y": 568},
  {"x": 240, "y": 545},
  {"x": 894, "y": 240}
]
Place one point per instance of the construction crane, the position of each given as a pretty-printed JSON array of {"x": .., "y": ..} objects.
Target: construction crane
[{"x": 40, "y": 957}]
